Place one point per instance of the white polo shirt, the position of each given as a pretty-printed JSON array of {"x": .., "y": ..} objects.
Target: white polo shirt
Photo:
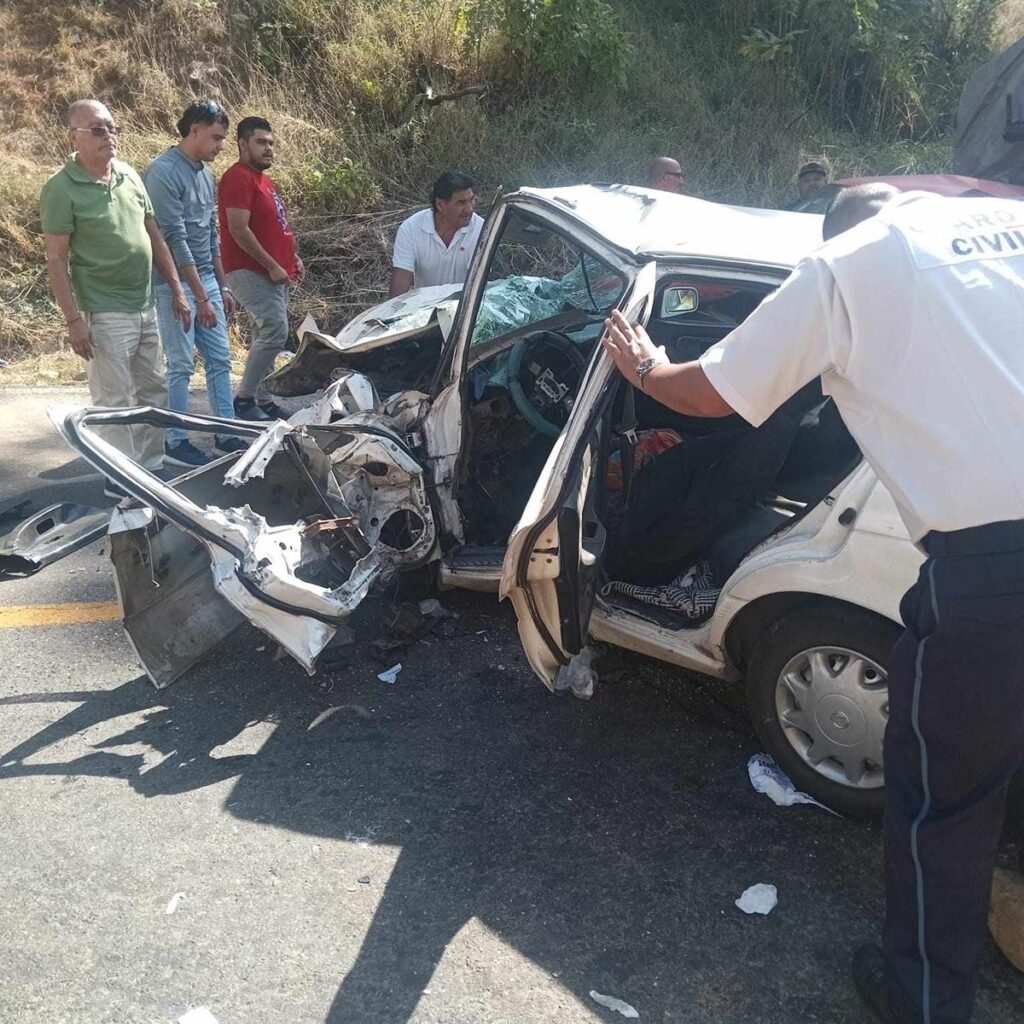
[
  {"x": 915, "y": 322},
  {"x": 418, "y": 247}
]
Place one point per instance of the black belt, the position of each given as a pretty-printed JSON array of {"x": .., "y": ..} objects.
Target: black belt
[{"x": 990, "y": 539}]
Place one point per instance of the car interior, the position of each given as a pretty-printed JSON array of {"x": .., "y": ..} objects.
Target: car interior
[{"x": 703, "y": 493}]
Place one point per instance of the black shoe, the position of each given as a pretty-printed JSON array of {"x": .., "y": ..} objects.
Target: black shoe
[
  {"x": 111, "y": 490},
  {"x": 869, "y": 982},
  {"x": 249, "y": 409},
  {"x": 271, "y": 410},
  {"x": 227, "y": 445},
  {"x": 186, "y": 454}
]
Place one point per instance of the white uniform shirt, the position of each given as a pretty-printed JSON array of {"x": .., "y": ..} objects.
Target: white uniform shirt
[
  {"x": 418, "y": 247},
  {"x": 915, "y": 321}
]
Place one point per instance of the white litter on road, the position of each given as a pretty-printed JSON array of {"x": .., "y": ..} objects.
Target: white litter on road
[
  {"x": 322, "y": 717},
  {"x": 768, "y": 778},
  {"x": 759, "y": 899},
  {"x": 391, "y": 675},
  {"x": 200, "y": 1015},
  {"x": 172, "y": 903},
  {"x": 433, "y": 609},
  {"x": 614, "y": 1004}
]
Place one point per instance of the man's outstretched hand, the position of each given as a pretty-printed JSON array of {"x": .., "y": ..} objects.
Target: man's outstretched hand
[{"x": 629, "y": 345}]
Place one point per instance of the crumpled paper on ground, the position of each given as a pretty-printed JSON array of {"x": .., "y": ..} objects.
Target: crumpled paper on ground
[
  {"x": 768, "y": 778},
  {"x": 614, "y": 1004},
  {"x": 200, "y": 1015},
  {"x": 391, "y": 675},
  {"x": 759, "y": 899}
]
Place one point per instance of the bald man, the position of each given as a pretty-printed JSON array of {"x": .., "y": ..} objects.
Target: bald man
[
  {"x": 665, "y": 175},
  {"x": 101, "y": 242}
]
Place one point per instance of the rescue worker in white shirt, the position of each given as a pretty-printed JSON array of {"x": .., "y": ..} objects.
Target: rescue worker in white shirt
[
  {"x": 436, "y": 246},
  {"x": 913, "y": 316}
]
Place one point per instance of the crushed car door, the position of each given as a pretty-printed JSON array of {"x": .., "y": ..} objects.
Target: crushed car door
[
  {"x": 289, "y": 535},
  {"x": 396, "y": 344},
  {"x": 553, "y": 563}
]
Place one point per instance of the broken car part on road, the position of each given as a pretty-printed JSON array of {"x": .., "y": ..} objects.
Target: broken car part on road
[
  {"x": 48, "y": 536},
  {"x": 479, "y": 429},
  {"x": 289, "y": 535}
]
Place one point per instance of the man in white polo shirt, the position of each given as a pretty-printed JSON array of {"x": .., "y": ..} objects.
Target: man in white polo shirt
[
  {"x": 914, "y": 321},
  {"x": 436, "y": 246}
]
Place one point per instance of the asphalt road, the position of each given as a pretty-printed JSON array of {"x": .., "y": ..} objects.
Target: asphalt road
[{"x": 458, "y": 848}]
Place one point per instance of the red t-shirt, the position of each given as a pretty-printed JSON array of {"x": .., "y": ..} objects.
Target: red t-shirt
[{"x": 245, "y": 189}]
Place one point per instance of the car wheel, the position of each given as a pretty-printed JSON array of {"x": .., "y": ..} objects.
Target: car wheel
[{"x": 818, "y": 696}]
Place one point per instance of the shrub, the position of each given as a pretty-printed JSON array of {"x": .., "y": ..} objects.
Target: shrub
[{"x": 555, "y": 42}]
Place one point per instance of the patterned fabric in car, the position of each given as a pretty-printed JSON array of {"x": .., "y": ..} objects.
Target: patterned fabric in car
[{"x": 693, "y": 594}]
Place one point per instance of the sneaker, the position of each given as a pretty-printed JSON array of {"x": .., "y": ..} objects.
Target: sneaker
[
  {"x": 869, "y": 982},
  {"x": 271, "y": 410},
  {"x": 186, "y": 454},
  {"x": 249, "y": 409},
  {"x": 111, "y": 490},
  {"x": 227, "y": 445}
]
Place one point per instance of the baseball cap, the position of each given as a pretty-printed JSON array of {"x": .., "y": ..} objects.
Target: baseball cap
[{"x": 813, "y": 167}]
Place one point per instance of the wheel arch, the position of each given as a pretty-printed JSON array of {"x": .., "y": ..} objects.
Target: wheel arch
[{"x": 750, "y": 623}]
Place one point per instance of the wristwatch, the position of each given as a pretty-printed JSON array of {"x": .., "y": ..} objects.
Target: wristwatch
[{"x": 644, "y": 367}]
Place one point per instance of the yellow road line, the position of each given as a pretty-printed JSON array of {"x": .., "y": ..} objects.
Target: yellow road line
[{"x": 58, "y": 614}]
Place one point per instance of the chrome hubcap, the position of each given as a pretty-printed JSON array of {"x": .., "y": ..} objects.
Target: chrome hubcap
[{"x": 833, "y": 705}]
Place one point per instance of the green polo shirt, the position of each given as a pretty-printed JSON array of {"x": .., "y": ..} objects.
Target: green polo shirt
[{"x": 110, "y": 253}]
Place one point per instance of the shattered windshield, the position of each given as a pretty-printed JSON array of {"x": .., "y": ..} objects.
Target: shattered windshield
[{"x": 537, "y": 274}]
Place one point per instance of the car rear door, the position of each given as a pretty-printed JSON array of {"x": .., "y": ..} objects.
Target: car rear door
[{"x": 553, "y": 563}]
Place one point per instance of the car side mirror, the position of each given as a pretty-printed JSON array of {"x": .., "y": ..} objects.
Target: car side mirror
[{"x": 675, "y": 301}]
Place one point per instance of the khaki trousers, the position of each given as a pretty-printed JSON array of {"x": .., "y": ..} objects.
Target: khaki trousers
[
  {"x": 127, "y": 369},
  {"x": 267, "y": 304}
]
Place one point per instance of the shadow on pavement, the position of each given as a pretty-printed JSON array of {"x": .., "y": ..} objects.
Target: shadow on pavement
[{"x": 604, "y": 841}]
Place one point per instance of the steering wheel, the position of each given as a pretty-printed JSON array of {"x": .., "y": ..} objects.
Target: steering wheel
[{"x": 544, "y": 374}]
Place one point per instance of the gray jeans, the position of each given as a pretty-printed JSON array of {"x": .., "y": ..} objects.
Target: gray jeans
[
  {"x": 127, "y": 369},
  {"x": 267, "y": 304}
]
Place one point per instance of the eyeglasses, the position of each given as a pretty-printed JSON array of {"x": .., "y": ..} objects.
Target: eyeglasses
[{"x": 99, "y": 130}]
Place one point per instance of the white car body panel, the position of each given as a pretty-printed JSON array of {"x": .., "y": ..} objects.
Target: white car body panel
[
  {"x": 868, "y": 562},
  {"x": 652, "y": 225},
  {"x": 391, "y": 321}
]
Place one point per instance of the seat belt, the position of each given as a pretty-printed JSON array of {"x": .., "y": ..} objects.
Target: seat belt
[{"x": 627, "y": 444}]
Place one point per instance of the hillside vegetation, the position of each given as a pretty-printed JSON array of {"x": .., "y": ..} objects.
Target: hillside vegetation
[{"x": 371, "y": 99}]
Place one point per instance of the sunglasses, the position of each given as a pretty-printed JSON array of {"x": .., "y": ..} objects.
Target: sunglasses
[{"x": 99, "y": 130}]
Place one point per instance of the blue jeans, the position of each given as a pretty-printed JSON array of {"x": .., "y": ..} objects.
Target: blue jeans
[{"x": 180, "y": 347}]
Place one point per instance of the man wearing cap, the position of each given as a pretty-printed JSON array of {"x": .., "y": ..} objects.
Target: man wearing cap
[
  {"x": 102, "y": 240},
  {"x": 912, "y": 316},
  {"x": 811, "y": 177}
]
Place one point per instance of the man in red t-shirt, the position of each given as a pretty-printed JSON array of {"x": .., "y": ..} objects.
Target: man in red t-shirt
[{"x": 258, "y": 251}]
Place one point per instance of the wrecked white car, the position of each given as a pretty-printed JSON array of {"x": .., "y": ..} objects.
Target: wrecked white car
[{"x": 482, "y": 432}]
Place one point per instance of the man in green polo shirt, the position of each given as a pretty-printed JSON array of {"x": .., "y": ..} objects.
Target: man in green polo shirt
[{"x": 97, "y": 217}]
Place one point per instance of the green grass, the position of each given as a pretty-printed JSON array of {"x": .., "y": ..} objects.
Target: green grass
[{"x": 335, "y": 77}]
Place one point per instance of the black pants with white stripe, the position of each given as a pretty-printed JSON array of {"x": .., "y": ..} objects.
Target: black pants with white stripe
[{"x": 954, "y": 740}]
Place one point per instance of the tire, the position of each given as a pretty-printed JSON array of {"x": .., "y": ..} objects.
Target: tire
[{"x": 818, "y": 700}]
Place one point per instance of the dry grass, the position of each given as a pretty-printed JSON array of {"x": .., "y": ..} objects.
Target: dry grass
[
  {"x": 1009, "y": 25},
  {"x": 351, "y": 164}
]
